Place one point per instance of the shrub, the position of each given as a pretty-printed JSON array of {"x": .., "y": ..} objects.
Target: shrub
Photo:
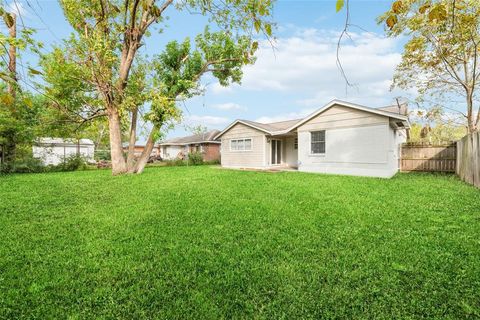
[
  {"x": 28, "y": 164},
  {"x": 102, "y": 155},
  {"x": 195, "y": 158},
  {"x": 211, "y": 162},
  {"x": 176, "y": 162},
  {"x": 73, "y": 163}
]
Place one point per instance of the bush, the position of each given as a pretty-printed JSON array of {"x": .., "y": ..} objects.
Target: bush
[
  {"x": 25, "y": 165},
  {"x": 176, "y": 162},
  {"x": 73, "y": 163},
  {"x": 212, "y": 162},
  {"x": 195, "y": 158},
  {"x": 30, "y": 164},
  {"x": 102, "y": 155}
]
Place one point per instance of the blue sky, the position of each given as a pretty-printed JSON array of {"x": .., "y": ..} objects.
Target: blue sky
[{"x": 288, "y": 82}]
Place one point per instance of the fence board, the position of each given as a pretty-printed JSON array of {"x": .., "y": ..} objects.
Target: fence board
[
  {"x": 427, "y": 157},
  {"x": 468, "y": 153}
]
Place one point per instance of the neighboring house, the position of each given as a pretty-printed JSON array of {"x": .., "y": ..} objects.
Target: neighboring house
[
  {"x": 53, "y": 151},
  {"x": 203, "y": 142},
  {"x": 138, "y": 149},
  {"x": 339, "y": 138}
]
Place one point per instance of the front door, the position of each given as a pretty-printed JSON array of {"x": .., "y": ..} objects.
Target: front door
[{"x": 276, "y": 154}]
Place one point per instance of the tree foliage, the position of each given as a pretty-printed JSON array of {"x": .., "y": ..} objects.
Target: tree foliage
[
  {"x": 433, "y": 126},
  {"x": 112, "y": 76},
  {"x": 440, "y": 58}
]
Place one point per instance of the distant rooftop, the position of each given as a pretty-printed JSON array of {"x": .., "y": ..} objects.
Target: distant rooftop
[{"x": 196, "y": 138}]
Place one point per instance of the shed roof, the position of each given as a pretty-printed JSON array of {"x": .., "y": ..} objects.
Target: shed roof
[{"x": 63, "y": 141}]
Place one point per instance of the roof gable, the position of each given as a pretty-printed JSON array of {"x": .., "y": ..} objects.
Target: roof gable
[
  {"x": 348, "y": 105},
  {"x": 283, "y": 127}
]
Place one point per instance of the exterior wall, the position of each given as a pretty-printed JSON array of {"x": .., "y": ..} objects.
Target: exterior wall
[
  {"x": 243, "y": 159},
  {"x": 171, "y": 152},
  {"x": 139, "y": 149},
  {"x": 211, "y": 151},
  {"x": 356, "y": 143},
  {"x": 55, "y": 153},
  {"x": 291, "y": 154}
]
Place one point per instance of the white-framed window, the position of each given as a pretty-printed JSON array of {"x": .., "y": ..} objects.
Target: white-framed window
[
  {"x": 295, "y": 144},
  {"x": 244, "y": 144},
  {"x": 317, "y": 142}
]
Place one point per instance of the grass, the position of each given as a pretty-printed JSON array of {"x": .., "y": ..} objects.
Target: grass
[{"x": 207, "y": 243}]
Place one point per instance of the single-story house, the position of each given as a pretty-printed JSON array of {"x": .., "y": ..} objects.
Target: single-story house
[
  {"x": 339, "y": 138},
  {"x": 138, "y": 150},
  {"x": 179, "y": 147},
  {"x": 53, "y": 151}
]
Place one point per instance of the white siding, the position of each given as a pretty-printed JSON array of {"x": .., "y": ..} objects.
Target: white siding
[
  {"x": 171, "y": 152},
  {"x": 290, "y": 154},
  {"x": 357, "y": 143},
  {"x": 254, "y": 158},
  {"x": 55, "y": 153}
]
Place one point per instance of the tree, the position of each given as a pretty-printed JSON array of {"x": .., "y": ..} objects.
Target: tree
[
  {"x": 440, "y": 59},
  {"x": 104, "y": 52},
  {"x": 433, "y": 126},
  {"x": 17, "y": 107}
]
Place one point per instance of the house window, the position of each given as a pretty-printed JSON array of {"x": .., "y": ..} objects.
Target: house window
[
  {"x": 295, "y": 144},
  {"x": 317, "y": 140},
  {"x": 241, "y": 144}
]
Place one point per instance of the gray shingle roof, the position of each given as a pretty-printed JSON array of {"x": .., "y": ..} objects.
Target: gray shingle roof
[
  {"x": 196, "y": 138},
  {"x": 273, "y": 126},
  {"x": 402, "y": 110}
]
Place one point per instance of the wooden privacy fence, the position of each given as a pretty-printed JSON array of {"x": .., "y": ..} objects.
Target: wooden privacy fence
[
  {"x": 468, "y": 165},
  {"x": 428, "y": 157}
]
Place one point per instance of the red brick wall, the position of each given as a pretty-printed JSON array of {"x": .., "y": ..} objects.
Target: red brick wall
[{"x": 211, "y": 151}]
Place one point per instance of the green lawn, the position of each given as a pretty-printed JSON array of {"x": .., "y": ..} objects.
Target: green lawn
[{"x": 202, "y": 242}]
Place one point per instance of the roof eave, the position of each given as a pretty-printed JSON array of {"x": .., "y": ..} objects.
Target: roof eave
[
  {"x": 186, "y": 143},
  {"x": 349, "y": 105},
  {"x": 242, "y": 122}
]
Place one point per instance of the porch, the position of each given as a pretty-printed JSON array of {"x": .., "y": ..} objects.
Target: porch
[{"x": 282, "y": 152}]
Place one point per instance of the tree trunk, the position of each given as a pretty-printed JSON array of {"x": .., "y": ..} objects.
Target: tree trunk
[
  {"x": 142, "y": 161},
  {"x": 12, "y": 57},
  {"x": 116, "y": 151},
  {"x": 470, "y": 116},
  {"x": 10, "y": 147},
  {"x": 132, "y": 141}
]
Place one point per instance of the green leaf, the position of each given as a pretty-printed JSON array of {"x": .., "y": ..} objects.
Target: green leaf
[
  {"x": 340, "y": 4},
  {"x": 33, "y": 71},
  {"x": 7, "y": 99},
  {"x": 257, "y": 25},
  {"x": 28, "y": 102},
  {"x": 268, "y": 29}
]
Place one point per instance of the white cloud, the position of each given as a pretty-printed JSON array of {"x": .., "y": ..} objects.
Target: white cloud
[
  {"x": 306, "y": 64},
  {"x": 217, "y": 88},
  {"x": 205, "y": 120},
  {"x": 228, "y": 106},
  {"x": 286, "y": 116},
  {"x": 18, "y": 9}
]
